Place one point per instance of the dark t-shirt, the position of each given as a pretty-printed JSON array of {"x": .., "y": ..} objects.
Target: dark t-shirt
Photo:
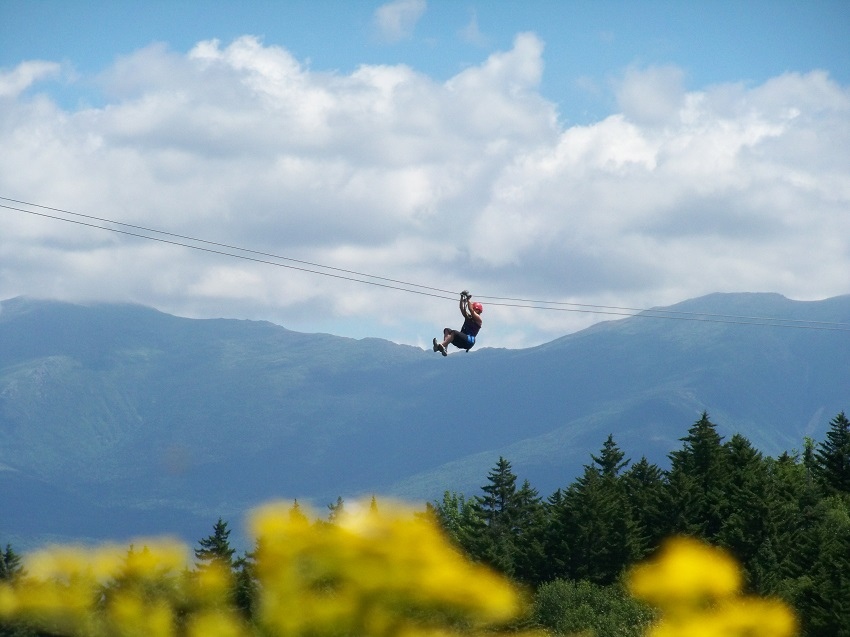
[{"x": 471, "y": 327}]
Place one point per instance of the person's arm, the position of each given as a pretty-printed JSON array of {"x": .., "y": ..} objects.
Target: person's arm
[
  {"x": 464, "y": 304},
  {"x": 475, "y": 316}
]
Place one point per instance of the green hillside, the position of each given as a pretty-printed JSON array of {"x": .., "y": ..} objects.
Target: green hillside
[{"x": 138, "y": 414}]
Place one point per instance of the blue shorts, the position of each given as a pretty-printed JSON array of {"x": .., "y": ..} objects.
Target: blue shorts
[{"x": 463, "y": 340}]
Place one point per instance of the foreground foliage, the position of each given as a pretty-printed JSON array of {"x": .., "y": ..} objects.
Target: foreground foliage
[{"x": 382, "y": 574}]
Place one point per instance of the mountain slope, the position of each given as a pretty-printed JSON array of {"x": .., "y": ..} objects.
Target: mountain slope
[{"x": 123, "y": 408}]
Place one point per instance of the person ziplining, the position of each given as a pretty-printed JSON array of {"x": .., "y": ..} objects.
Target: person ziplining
[{"x": 465, "y": 338}]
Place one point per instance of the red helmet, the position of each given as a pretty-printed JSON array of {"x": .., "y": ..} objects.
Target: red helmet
[{"x": 477, "y": 307}]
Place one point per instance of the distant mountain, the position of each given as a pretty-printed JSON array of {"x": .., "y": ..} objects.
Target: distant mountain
[{"x": 118, "y": 420}]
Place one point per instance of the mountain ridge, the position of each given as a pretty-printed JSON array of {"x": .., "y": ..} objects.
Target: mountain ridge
[{"x": 165, "y": 418}]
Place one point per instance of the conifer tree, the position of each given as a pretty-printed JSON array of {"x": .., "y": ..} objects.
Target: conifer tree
[
  {"x": 296, "y": 513},
  {"x": 555, "y": 538},
  {"x": 600, "y": 536},
  {"x": 336, "y": 509},
  {"x": 460, "y": 521},
  {"x": 497, "y": 508},
  {"x": 499, "y": 495},
  {"x": 610, "y": 459},
  {"x": 825, "y": 601},
  {"x": 216, "y": 547},
  {"x": 246, "y": 588},
  {"x": 647, "y": 498},
  {"x": 782, "y": 565},
  {"x": 530, "y": 522},
  {"x": 697, "y": 480},
  {"x": 10, "y": 564},
  {"x": 832, "y": 457},
  {"x": 746, "y": 501}
]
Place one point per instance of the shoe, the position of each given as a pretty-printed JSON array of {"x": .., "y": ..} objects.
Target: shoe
[
  {"x": 436, "y": 346},
  {"x": 442, "y": 349}
]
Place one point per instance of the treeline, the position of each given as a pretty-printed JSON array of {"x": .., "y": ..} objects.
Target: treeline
[{"x": 786, "y": 519}]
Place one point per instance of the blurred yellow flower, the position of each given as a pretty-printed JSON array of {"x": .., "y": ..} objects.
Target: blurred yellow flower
[
  {"x": 686, "y": 572},
  {"x": 368, "y": 573},
  {"x": 215, "y": 624},
  {"x": 698, "y": 589},
  {"x": 387, "y": 573}
]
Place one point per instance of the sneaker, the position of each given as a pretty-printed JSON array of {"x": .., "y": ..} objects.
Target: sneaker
[
  {"x": 436, "y": 346},
  {"x": 442, "y": 349}
]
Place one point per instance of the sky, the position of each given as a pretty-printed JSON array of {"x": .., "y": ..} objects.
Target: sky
[{"x": 350, "y": 167}]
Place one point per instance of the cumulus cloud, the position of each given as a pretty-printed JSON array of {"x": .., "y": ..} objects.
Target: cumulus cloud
[
  {"x": 396, "y": 20},
  {"x": 651, "y": 95},
  {"x": 468, "y": 183},
  {"x": 23, "y": 76}
]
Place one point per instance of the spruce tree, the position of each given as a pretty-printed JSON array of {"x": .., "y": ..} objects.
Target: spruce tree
[
  {"x": 697, "y": 480},
  {"x": 497, "y": 508},
  {"x": 782, "y": 567},
  {"x": 296, "y": 513},
  {"x": 825, "y": 602},
  {"x": 555, "y": 538},
  {"x": 216, "y": 548},
  {"x": 246, "y": 588},
  {"x": 647, "y": 498},
  {"x": 10, "y": 564},
  {"x": 460, "y": 521},
  {"x": 499, "y": 494},
  {"x": 610, "y": 459},
  {"x": 601, "y": 536},
  {"x": 832, "y": 457},
  {"x": 336, "y": 509},
  {"x": 746, "y": 504},
  {"x": 530, "y": 522}
]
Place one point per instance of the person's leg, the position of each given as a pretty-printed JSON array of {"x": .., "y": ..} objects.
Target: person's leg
[
  {"x": 448, "y": 336},
  {"x": 461, "y": 341},
  {"x": 439, "y": 347},
  {"x": 458, "y": 339}
]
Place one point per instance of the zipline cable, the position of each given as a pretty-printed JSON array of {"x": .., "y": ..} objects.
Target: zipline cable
[
  {"x": 683, "y": 313},
  {"x": 229, "y": 254},
  {"x": 213, "y": 243},
  {"x": 725, "y": 319},
  {"x": 424, "y": 290}
]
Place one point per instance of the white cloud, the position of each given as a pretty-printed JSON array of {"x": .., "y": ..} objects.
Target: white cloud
[
  {"x": 397, "y": 20},
  {"x": 470, "y": 183},
  {"x": 19, "y": 79},
  {"x": 651, "y": 95},
  {"x": 472, "y": 33}
]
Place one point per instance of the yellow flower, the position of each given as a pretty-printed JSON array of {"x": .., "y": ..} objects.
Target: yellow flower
[
  {"x": 697, "y": 587},
  {"x": 686, "y": 572},
  {"x": 372, "y": 574},
  {"x": 156, "y": 557},
  {"x": 212, "y": 584},
  {"x": 367, "y": 573},
  {"x": 215, "y": 624},
  {"x": 131, "y": 615}
]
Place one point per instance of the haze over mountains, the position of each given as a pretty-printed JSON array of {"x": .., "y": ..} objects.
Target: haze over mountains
[{"x": 119, "y": 420}]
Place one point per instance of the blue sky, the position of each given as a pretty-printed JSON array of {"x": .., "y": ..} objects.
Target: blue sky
[
  {"x": 587, "y": 42},
  {"x": 612, "y": 153}
]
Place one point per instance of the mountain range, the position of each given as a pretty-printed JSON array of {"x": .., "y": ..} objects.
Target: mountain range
[{"x": 119, "y": 420}]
